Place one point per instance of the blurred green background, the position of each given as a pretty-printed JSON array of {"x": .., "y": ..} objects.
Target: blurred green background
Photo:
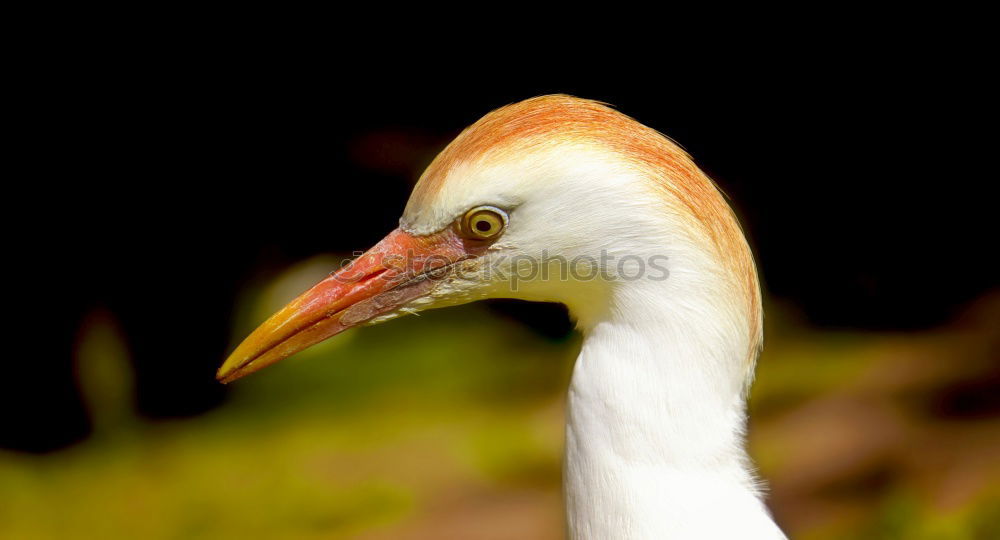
[
  {"x": 449, "y": 425},
  {"x": 211, "y": 189}
]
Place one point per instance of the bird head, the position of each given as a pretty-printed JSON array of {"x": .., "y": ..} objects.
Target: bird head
[{"x": 551, "y": 199}]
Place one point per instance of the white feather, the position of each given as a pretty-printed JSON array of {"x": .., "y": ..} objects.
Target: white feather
[{"x": 656, "y": 415}]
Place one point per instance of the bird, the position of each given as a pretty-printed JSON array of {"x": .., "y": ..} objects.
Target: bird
[{"x": 563, "y": 199}]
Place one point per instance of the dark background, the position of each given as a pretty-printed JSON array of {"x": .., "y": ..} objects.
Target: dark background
[{"x": 158, "y": 186}]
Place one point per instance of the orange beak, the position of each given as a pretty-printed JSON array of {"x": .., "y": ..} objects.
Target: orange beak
[{"x": 398, "y": 269}]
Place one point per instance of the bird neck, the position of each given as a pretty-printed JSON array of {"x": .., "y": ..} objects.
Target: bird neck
[{"x": 656, "y": 417}]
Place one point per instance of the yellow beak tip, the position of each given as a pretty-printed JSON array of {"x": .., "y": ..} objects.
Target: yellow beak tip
[{"x": 229, "y": 372}]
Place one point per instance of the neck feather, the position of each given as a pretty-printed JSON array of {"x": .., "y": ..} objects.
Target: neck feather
[{"x": 656, "y": 418}]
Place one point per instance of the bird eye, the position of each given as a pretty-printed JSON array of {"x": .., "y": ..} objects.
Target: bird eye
[{"x": 484, "y": 222}]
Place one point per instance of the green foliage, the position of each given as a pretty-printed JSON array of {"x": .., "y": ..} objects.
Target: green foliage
[{"x": 455, "y": 418}]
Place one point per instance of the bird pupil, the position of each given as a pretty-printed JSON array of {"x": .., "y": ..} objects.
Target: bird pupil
[{"x": 483, "y": 225}]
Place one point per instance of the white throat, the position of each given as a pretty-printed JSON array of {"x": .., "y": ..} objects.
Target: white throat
[{"x": 656, "y": 418}]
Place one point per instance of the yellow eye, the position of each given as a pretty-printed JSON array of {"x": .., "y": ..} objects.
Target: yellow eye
[{"x": 484, "y": 222}]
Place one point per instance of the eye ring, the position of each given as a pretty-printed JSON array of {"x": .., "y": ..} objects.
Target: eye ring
[{"x": 484, "y": 222}]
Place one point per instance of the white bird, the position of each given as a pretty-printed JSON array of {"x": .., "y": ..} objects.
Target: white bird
[{"x": 561, "y": 199}]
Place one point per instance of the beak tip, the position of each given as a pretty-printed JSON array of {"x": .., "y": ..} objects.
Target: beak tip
[
  {"x": 226, "y": 378},
  {"x": 229, "y": 372}
]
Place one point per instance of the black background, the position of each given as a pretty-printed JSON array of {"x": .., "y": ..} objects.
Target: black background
[{"x": 157, "y": 185}]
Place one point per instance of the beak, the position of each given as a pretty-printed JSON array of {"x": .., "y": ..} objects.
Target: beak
[{"x": 398, "y": 269}]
